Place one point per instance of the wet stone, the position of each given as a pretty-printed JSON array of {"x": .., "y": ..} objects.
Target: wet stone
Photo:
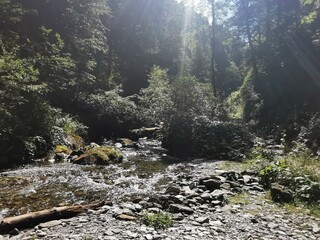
[
  {"x": 125, "y": 217},
  {"x": 230, "y": 222},
  {"x": 202, "y": 220},
  {"x": 41, "y": 233},
  {"x": 212, "y": 184},
  {"x": 316, "y": 229},
  {"x": 178, "y": 208},
  {"x": 50, "y": 224}
]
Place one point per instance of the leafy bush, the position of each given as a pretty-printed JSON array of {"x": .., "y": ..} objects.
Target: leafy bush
[
  {"x": 313, "y": 134},
  {"x": 108, "y": 113},
  {"x": 192, "y": 116},
  {"x": 217, "y": 139},
  {"x": 298, "y": 173},
  {"x": 206, "y": 138},
  {"x": 155, "y": 101},
  {"x": 158, "y": 220}
]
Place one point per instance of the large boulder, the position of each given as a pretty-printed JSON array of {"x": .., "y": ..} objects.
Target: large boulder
[
  {"x": 179, "y": 208},
  {"x": 126, "y": 142},
  {"x": 100, "y": 155},
  {"x": 280, "y": 193}
]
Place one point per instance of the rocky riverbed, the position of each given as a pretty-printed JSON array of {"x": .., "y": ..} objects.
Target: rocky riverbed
[{"x": 205, "y": 200}]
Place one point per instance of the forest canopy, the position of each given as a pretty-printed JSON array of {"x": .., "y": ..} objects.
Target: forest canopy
[{"x": 211, "y": 73}]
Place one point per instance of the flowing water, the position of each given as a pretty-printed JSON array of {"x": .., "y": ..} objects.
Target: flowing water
[{"x": 40, "y": 186}]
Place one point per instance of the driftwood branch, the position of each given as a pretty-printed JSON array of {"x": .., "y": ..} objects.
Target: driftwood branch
[{"x": 33, "y": 218}]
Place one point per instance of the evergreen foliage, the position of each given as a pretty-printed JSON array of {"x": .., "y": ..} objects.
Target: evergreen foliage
[{"x": 120, "y": 64}]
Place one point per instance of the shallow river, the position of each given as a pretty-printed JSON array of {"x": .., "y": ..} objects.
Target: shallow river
[{"x": 40, "y": 186}]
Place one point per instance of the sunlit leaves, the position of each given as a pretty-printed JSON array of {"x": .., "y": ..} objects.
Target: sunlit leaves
[{"x": 309, "y": 18}]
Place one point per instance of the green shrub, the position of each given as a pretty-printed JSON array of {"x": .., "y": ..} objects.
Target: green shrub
[
  {"x": 222, "y": 140},
  {"x": 155, "y": 100},
  {"x": 194, "y": 121},
  {"x": 108, "y": 113},
  {"x": 158, "y": 220},
  {"x": 100, "y": 155},
  {"x": 298, "y": 173}
]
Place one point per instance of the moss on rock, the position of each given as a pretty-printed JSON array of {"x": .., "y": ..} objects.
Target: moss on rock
[
  {"x": 100, "y": 155},
  {"x": 62, "y": 149}
]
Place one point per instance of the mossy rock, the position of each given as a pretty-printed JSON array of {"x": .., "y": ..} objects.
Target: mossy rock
[
  {"x": 76, "y": 141},
  {"x": 62, "y": 149},
  {"x": 100, "y": 156},
  {"x": 126, "y": 142}
]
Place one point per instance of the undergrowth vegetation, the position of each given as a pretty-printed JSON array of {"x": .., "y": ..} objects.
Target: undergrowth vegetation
[
  {"x": 195, "y": 122},
  {"x": 158, "y": 220},
  {"x": 297, "y": 168}
]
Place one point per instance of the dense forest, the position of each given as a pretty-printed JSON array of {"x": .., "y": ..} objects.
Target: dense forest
[
  {"x": 213, "y": 75},
  {"x": 172, "y": 110}
]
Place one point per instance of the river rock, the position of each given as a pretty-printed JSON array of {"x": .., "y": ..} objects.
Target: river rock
[
  {"x": 188, "y": 192},
  {"x": 119, "y": 211},
  {"x": 218, "y": 195},
  {"x": 179, "y": 208},
  {"x": 246, "y": 179},
  {"x": 50, "y": 224},
  {"x": 316, "y": 228},
  {"x": 174, "y": 189},
  {"x": 14, "y": 232},
  {"x": 226, "y": 186},
  {"x": 280, "y": 193},
  {"x": 126, "y": 142},
  {"x": 100, "y": 155},
  {"x": 212, "y": 184},
  {"x": 202, "y": 220},
  {"x": 148, "y": 237},
  {"x": 126, "y": 217}
]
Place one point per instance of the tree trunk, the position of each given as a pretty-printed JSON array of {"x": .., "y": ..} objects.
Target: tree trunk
[
  {"x": 213, "y": 45},
  {"x": 33, "y": 218},
  {"x": 268, "y": 19},
  {"x": 245, "y": 7}
]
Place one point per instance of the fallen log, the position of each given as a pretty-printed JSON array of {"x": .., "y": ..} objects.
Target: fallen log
[
  {"x": 144, "y": 132},
  {"x": 34, "y": 218}
]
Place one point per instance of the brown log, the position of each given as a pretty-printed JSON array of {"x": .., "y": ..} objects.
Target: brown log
[{"x": 33, "y": 218}]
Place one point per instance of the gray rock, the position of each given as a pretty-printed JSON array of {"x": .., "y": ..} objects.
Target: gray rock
[
  {"x": 202, "y": 220},
  {"x": 118, "y": 145},
  {"x": 226, "y": 186},
  {"x": 154, "y": 210},
  {"x": 254, "y": 220},
  {"x": 233, "y": 184},
  {"x": 148, "y": 237},
  {"x": 14, "y": 232},
  {"x": 174, "y": 189},
  {"x": 218, "y": 195},
  {"x": 280, "y": 193},
  {"x": 220, "y": 178},
  {"x": 188, "y": 192},
  {"x": 246, "y": 179},
  {"x": 178, "y": 208},
  {"x": 125, "y": 217},
  {"x": 179, "y": 199},
  {"x": 272, "y": 225},
  {"x": 118, "y": 211},
  {"x": 217, "y": 223},
  {"x": 206, "y": 196},
  {"x": 315, "y": 229},
  {"x": 257, "y": 188},
  {"x": 216, "y": 203},
  {"x": 212, "y": 184},
  {"x": 41, "y": 233},
  {"x": 177, "y": 217},
  {"x": 50, "y": 224}
]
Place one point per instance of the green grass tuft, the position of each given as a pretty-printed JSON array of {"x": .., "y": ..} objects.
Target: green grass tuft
[{"x": 158, "y": 220}]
